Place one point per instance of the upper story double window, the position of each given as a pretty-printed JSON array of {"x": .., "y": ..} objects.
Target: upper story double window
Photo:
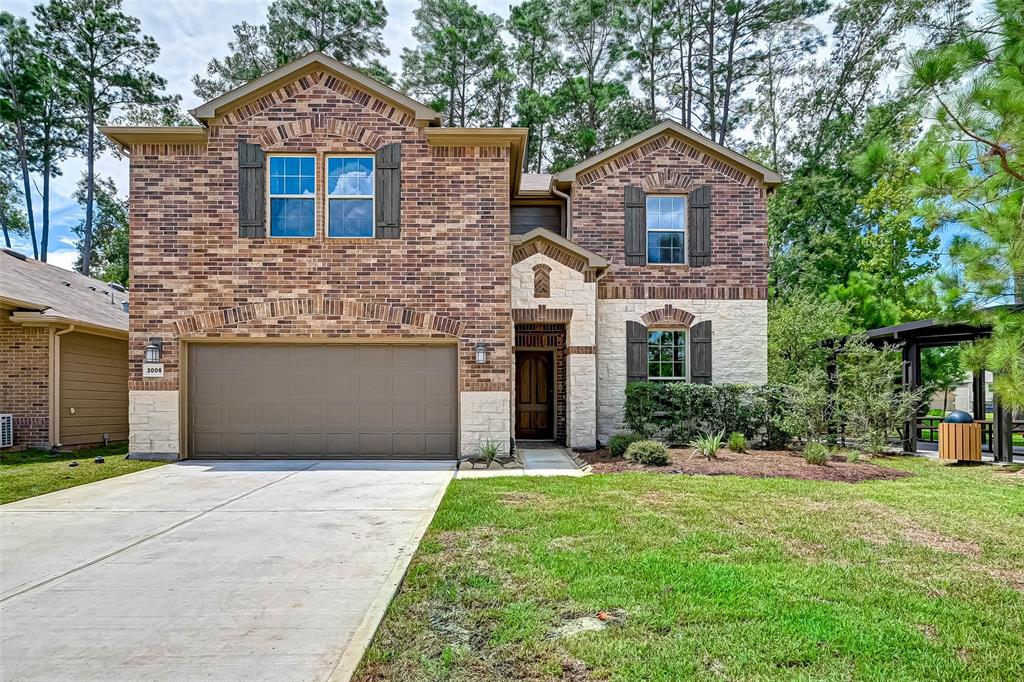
[{"x": 348, "y": 197}]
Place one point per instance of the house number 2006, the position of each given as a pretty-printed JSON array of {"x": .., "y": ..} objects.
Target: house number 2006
[{"x": 152, "y": 369}]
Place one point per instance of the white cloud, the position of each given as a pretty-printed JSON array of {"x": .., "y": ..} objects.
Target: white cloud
[{"x": 63, "y": 258}]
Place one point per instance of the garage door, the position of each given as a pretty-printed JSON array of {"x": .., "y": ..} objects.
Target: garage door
[{"x": 339, "y": 401}]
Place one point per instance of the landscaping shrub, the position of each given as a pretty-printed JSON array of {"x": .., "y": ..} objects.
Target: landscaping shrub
[
  {"x": 737, "y": 442},
  {"x": 649, "y": 452},
  {"x": 815, "y": 453},
  {"x": 708, "y": 445},
  {"x": 678, "y": 411},
  {"x": 618, "y": 443}
]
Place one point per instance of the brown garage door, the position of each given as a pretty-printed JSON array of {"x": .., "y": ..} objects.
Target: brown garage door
[{"x": 277, "y": 400}]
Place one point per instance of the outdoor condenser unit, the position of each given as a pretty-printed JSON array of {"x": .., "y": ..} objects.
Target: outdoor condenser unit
[{"x": 6, "y": 430}]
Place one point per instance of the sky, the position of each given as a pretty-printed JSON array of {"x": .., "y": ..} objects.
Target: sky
[{"x": 190, "y": 33}]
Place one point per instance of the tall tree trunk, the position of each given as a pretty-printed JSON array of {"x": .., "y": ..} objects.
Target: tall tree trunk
[
  {"x": 27, "y": 185},
  {"x": 45, "y": 241},
  {"x": 90, "y": 178},
  {"x": 3, "y": 224},
  {"x": 712, "y": 123},
  {"x": 729, "y": 76}
]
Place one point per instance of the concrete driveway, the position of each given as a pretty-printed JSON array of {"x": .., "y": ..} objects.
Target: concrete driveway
[{"x": 210, "y": 570}]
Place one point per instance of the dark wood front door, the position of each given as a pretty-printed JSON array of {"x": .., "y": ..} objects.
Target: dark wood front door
[{"x": 535, "y": 394}]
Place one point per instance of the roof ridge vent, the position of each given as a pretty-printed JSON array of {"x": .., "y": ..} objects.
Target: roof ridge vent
[{"x": 16, "y": 254}]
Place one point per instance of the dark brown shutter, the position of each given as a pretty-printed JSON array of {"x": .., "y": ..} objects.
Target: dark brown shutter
[
  {"x": 700, "y": 227},
  {"x": 388, "y": 186},
  {"x": 700, "y": 353},
  {"x": 251, "y": 191},
  {"x": 636, "y": 352},
  {"x": 636, "y": 226}
]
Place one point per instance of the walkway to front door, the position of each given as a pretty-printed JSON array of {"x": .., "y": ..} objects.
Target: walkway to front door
[{"x": 535, "y": 394}]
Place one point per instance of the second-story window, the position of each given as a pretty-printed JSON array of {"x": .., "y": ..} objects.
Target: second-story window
[
  {"x": 666, "y": 229},
  {"x": 350, "y": 196},
  {"x": 292, "y": 196}
]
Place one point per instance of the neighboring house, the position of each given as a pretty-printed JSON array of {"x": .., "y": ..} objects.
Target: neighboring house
[
  {"x": 328, "y": 272},
  {"x": 63, "y": 355},
  {"x": 962, "y": 397}
]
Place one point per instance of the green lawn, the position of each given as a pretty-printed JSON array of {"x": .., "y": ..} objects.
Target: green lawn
[
  {"x": 720, "y": 578},
  {"x": 33, "y": 472}
]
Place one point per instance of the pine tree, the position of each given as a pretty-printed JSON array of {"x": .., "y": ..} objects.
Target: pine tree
[
  {"x": 105, "y": 59},
  {"x": 457, "y": 50}
]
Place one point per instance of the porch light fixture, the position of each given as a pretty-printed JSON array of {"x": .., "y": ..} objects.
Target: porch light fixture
[
  {"x": 152, "y": 351},
  {"x": 481, "y": 353}
]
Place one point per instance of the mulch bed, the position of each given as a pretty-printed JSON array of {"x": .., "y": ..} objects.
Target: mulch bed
[{"x": 752, "y": 464}]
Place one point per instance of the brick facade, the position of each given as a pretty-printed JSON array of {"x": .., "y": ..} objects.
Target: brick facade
[
  {"x": 448, "y": 276},
  {"x": 739, "y": 224},
  {"x": 25, "y": 380},
  {"x": 452, "y": 275}
]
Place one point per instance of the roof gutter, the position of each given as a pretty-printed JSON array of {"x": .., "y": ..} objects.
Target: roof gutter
[
  {"x": 34, "y": 318},
  {"x": 568, "y": 209}
]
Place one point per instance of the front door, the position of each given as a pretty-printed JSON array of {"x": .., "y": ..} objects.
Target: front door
[{"x": 535, "y": 394}]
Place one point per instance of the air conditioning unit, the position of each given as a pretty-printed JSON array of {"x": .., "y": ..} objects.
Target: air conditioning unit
[{"x": 6, "y": 430}]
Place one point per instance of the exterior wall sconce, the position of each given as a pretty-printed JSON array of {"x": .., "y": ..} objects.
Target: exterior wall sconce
[
  {"x": 152, "y": 351},
  {"x": 481, "y": 353}
]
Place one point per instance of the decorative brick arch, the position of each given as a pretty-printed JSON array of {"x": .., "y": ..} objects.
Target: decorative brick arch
[
  {"x": 541, "y": 280},
  {"x": 667, "y": 181},
  {"x": 668, "y": 316},
  {"x": 317, "y": 305},
  {"x": 274, "y": 135},
  {"x": 566, "y": 258}
]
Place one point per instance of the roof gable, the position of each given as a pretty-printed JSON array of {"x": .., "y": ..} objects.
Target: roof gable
[
  {"x": 206, "y": 112},
  {"x": 717, "y": 152}
]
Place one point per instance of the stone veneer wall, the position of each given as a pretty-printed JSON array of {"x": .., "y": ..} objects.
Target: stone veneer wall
[
  {"x": 484, "y": 416},
  {"x": 448, "y": 275},
  {"x": 25, "y": 380},
  {"x": 569, "y": 290},
  {"x": 739, "y": 346},
  {"x": 153, "y": 425}
]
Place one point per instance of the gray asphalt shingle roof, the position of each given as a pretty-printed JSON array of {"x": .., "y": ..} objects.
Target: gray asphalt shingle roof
[{"x": 60, "y": 294}]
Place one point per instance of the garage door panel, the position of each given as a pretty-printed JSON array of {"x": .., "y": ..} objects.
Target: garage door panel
[
  {"x": 304, "y": 400},
  {"x": 438, "y": 444}
]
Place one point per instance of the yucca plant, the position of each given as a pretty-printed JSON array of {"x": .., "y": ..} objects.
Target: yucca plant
[
  {"x": 708, "y": 445},
  {"x": 488, "y": 451}
]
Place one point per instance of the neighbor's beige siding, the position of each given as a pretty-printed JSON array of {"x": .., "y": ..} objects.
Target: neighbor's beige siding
[{"x": 94, "y": 383}]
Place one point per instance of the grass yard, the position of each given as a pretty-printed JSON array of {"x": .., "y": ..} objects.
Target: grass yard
[
  {"x": 718, "y": 578},
  {"x": 34, "y": 472}
]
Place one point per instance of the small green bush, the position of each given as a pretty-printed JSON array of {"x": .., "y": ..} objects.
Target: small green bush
[
  {"x": 707, "y": 445},
  {"x": 816, "y": 453},
  {"x": 648, "y": 452},
  {"x": 853, "y": 457},
  {"x": 737, "y": 442},
  {"x": 618, "y": 443}
]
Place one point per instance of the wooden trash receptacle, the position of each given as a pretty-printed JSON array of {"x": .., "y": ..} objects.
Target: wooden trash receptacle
[{"x": 960, "y": 442}]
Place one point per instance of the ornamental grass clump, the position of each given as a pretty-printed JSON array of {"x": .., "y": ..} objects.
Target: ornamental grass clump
[
  {"x": 816, "y": 453},
  {"x": 707, "y": 445},
  {"x": 737, "y": 442},
  {"x": 648, "y": 452},
  {"x": 618, "y": 443}
]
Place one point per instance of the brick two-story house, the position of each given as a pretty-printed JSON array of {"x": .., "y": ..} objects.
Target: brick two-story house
[{"x": 321, "y": 270}]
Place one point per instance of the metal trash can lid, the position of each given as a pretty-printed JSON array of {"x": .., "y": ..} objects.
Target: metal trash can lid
[{"x": 958, "y": 417}]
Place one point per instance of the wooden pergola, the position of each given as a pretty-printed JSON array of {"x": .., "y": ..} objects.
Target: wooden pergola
[{"x": 911, "y": 338}]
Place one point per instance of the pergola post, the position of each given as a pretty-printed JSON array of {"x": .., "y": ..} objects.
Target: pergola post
[
  {"x": 978, "y": 395},
  {"x": 911, "y": 381},
  {"x": 1002, "y": 432}
]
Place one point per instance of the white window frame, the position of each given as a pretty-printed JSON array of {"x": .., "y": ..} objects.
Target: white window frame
[
  {"x": 686, "y": 227},
  {"x": 686, "y": 351},
  {"x": 307, "y": 197},
  {"x": 328, "y": 197}
]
